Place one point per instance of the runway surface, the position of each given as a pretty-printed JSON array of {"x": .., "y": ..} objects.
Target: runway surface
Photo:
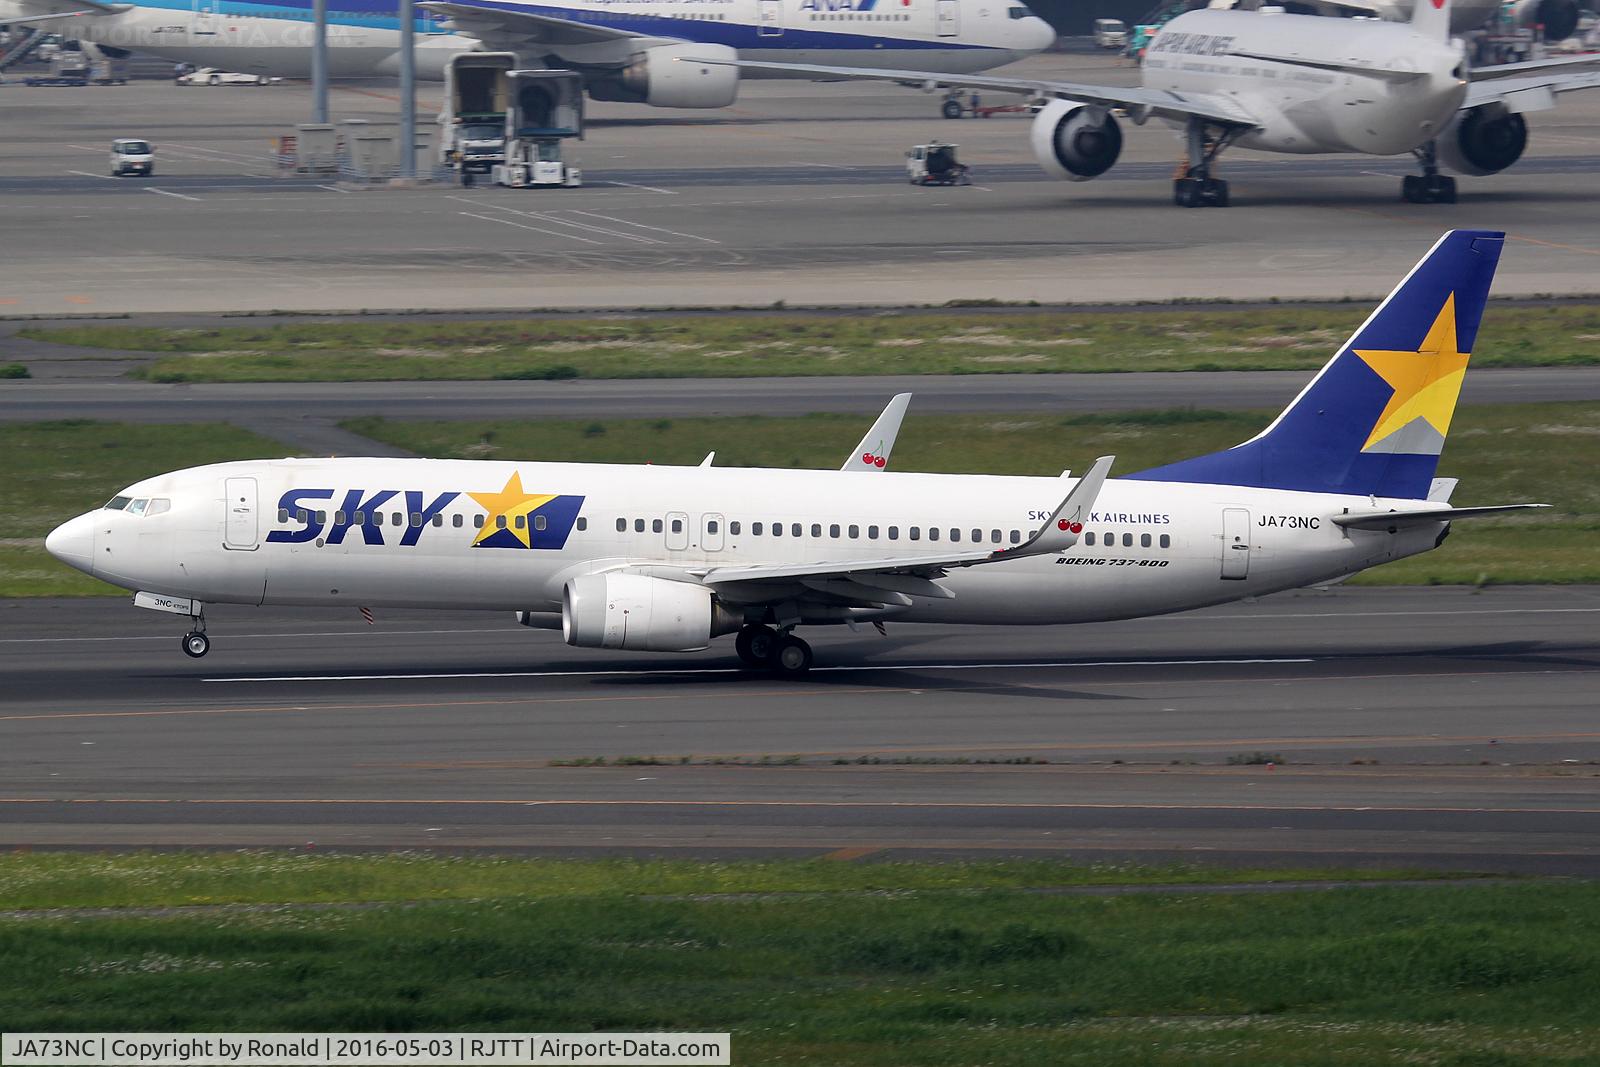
[
  {"x": 281, "y": 406},
  {"x": 1433, "y": 727},
  {"x": 794, "y": 194}
]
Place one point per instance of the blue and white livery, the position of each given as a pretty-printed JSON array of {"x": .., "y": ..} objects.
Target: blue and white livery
[{"x": 626, "y": 49}]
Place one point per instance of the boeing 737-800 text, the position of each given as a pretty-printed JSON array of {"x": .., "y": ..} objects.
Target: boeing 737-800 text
[
  {"x": 661, "y": 559},
  {"x": 627, "y": 50}
]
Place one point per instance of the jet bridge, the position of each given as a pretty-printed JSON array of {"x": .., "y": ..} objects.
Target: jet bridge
[{"x": 544, "y": 109}]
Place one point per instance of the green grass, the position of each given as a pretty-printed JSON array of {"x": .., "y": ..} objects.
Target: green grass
[
  {"x": 620, "y": 346},
  {"x": 160, "y": 879},
  {"x": 55, "y": 470},
  {"x": 1461, "y": 975},
  {"x": 1502, "y": 453}
]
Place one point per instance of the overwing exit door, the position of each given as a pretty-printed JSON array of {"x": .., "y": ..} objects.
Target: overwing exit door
[
  {"x": 1235, "y": 544},
  {"x": 948, "y": 18}
]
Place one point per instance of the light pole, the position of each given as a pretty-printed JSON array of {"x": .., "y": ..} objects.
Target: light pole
[
  {"x": 408, "y": 88},
  {"x": 319, "y": 62}
]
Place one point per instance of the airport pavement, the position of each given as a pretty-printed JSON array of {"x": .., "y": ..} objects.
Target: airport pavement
[
  {"x": 793, "y": 195},
  {"x": 310, "y": 408},
  {"x": 1445, "y": 728}
]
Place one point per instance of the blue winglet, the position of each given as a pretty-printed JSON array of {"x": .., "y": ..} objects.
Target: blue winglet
[{"x": 1374, "y": 419}]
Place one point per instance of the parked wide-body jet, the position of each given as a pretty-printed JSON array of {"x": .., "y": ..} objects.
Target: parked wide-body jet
[
  {"x": 1298, "y": 84},
  {"x": 663, "y": 558},
  {"x": 629, "y": 50}
]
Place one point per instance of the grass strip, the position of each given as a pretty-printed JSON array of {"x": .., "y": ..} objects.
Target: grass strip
[
  {"x": 1465, "y": 975},
  {"x": 868, "y": 342},
  {"x": 43, "y": 880}
]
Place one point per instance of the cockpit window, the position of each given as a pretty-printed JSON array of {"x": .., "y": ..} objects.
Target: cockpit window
[
  {"x": 1018, "y": 13},
  {"x": 117, "y": 503},
  {"x": 158, "y": 505},
  {"x": 138, "y": 506}
]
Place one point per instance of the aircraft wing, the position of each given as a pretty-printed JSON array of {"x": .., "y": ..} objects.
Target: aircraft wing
[
  {"x": 890, "y": 574},
  {"x": 1382, "y": 520},
  {"x": 501, "y": 27},
  {"x": 1533, "y": 66},
  {"x": 1141, "y": 104},
  {"x": 43, "y": 10},
  {"x": 872, "y": 453},
  {"x": 1535, "y": 92}
]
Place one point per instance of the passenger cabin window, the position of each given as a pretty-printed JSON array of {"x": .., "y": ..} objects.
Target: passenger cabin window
[
  {"x": 755, "y": 529},
  {"x": 872, "y": 533},
  {"x": 456, "y": 520},
  {"x": 1127, "y": 540},
  {"x": 855, "y": 531},
  {"x": 794, "y": 529},
  {"x": 656, "y": 526},
  {"x": 477, "y": 522},
  {"x": 438, "y": 520},
  {"x": 916, "y": 533},
  {"x": 540, "y": 522},
  {"x": 416, "y": 518},
  {"x": 777, "y": 529},
  {"x": 711, "y": 526},
  {"x": 1144, "y": 540},
  {"x": 338, "y": 518},
  {"x": 1088, "y": 538},
  {"x": 734, "y": 527},
  {"x": 894, "y": 533},
  {"x": 677, "y": 526},
  {"x": 994, "y": 535},
  {"x": 1016, "y": 537},
  {"x": 583, "y": 524},
  {"x": 1166, "y": 542},
  {"x": 283, "y": 514},
  {"x": 499, "y": 522},
  {"x": 833, "y": 530},
  {"x": 933, "y": 533},
  {"x": 638, "y": 526},
  {"x": 521, "y": 521},
  {"x": 977, "y": 537},
  {"x": 816, "y": 529},
  {"x": 622, "y": 526},
  {"x": 360, "y": 519}
]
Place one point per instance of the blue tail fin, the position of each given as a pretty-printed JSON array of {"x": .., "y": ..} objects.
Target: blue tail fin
[{"x": 1374, "y": 419}]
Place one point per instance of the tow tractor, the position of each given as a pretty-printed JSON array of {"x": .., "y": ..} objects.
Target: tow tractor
[
  {"x": 545, "y": 107},
  {"x": 936, "y": 164}
]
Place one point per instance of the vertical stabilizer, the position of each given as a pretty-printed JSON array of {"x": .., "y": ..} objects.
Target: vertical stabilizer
[
  {"x": 1431, "y": 18},
  {"x": 1374, "y": 419}
]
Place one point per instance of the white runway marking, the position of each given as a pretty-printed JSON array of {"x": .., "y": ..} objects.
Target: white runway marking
[
  {"x": 164, "y": 192},
  {"x": 642, "y": 226},
  {"x": 1208, "y": 620},
  {"x": 86, "y": 174},
  {"x": 535, "y": 229},
  {"x": 746, "y": 670},
  {"x": 646, "y": 188}
]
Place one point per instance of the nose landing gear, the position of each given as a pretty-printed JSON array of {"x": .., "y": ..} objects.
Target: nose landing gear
[{"x": 196, "y": 644}]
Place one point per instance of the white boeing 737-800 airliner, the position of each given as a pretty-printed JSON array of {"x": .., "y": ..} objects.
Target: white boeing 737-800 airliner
[
  {"x": 627, "y": 50},
  {"x": 1299, "y": 84},
  {"x": 661, "y": 559}
]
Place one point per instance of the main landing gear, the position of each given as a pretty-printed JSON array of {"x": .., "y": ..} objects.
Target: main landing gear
[
  {"x": 1195, "y": 186},
  {"x": 1429, "y": 187},
  {"x": 780, "y": 652}
]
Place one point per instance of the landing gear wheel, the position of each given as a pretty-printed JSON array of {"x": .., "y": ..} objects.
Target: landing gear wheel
[
  {"x": 754, "y": 644},
  {"x": 1214, "y": 192},
  {"x": 791, "y": 657},
  {"x": 1428, "y": 189},
  {"x": 196, "y": 644},
  {"x": 1186, "y": 192},
  {"x": 952, "y": 109}
]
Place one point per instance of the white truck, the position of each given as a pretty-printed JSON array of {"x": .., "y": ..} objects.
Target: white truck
[
  {"x": 472, "y": 126},
  {"x": 1110, "y": 33}
]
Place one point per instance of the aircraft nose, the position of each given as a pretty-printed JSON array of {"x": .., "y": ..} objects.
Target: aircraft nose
[
  {"x": 73, "y": 543},
  {"x": 1039, "y": 34}
]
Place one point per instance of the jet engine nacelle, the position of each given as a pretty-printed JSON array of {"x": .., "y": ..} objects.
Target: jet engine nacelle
[
  {"x": 1558, "y": 17},
  {"x": 670, "y": 75},
  {"x": 1075, "y": 141},
  {"x": 641, "y": 614},
  {"x": 1485, "y": 140}
]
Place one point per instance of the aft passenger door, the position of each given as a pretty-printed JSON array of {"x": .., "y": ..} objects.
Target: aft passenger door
[
  {"x": 1235, "y": 544},
  {"x": 239, "y": 501},
  {"x": 947, "y": 19},
  {"x": 769, "y": 18}
]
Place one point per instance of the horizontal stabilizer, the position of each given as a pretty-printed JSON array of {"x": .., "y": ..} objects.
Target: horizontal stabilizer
[{"x": 1382, "y": 520}]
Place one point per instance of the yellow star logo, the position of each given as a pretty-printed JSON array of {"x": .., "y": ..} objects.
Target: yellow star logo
[
  {"x": 509, "y": 505},
  {"x": 1425, "y": 382}
]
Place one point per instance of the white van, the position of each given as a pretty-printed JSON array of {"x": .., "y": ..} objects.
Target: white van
[
  {"x": 1110, "y": 33},
  {"x": 130, "y": 155}
]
